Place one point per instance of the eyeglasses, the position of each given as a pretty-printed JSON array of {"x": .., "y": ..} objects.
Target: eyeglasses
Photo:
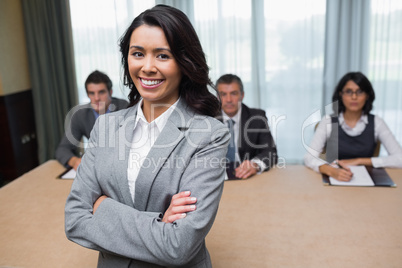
[{"x": 350, "y": 92}]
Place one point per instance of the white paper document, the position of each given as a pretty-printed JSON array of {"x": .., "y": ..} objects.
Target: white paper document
[
  {"x": 361, "y": 177},
  {"x": 69, "y": 175}
]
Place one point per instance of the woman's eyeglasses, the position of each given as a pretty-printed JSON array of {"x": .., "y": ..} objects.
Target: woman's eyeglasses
[{"x": 350, "y": 92}]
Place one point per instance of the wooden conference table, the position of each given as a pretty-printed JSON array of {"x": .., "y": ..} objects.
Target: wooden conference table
[{"x": 281, "y": 218}]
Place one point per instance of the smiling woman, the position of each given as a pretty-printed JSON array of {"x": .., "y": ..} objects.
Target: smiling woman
[
  {"x": 176, "y": 48},
  {"x": 148, "y": 188},
  {"x": 153, "y": 69}
]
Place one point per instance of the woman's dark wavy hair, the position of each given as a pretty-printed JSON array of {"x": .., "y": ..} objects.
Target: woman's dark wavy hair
[
  {"x": 186, "y": 49},
  {"x": 364, "y": 84}
]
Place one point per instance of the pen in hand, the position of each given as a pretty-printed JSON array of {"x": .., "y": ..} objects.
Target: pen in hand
[
  {"x": 336, "y": 162},
  {"x": 344, "y": 173}
]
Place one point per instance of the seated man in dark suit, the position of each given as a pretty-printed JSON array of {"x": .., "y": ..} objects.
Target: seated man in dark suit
[
  {"x": 252, "y": 146},
  {"x": 82, "y": 117}
]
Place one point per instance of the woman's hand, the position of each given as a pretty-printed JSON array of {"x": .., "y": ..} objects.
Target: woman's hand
[
  {"x": 180, "y": 204},
  {"x": 356, "y": 162},
  {"x": 98, "y": 202},
  {"x": 342, "y": 173}
]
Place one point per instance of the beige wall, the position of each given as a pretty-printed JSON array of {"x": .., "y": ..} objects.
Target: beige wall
[{"x": 14, "y": 70}]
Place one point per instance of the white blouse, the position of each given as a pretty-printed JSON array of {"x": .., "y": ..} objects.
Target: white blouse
[
  {"x": 381, "y": 133},
  {"x": 145, "y": 135}
]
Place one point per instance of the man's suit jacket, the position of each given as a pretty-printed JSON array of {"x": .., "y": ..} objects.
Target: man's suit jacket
[
  {"x": 79, "y": 124},
  {"x": 188, "y": 155},
  {"x": 255, "y": 138}
]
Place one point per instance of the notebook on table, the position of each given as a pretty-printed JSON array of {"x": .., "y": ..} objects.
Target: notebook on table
[
  {"x": 68, "y": 174},
  {"x": 363, "y": 176}
]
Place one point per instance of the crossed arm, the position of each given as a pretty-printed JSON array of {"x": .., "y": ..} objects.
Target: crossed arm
[
  {"x": 180, "y": 204},
  {"x": 266, "y": 155},
  {"x": 98, "y": 217}
]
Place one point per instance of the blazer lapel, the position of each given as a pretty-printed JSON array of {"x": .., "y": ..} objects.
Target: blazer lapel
[
  {"x": 124, "y": 137},
  {"x": 170, "y": 136},
  {"x": 242, "y": 144}
]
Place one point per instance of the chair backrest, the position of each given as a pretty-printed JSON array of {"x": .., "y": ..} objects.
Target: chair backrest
[{"x": 377, "y": 149}]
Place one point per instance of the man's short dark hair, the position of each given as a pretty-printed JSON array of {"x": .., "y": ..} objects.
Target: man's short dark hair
[
  {"x": 228, "y": 79},
  {"x": 97, "y": 77}
]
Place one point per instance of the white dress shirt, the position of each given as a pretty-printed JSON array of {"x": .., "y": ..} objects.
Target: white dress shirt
[
  {"x": 236, "y": 129},
  {"x": 381, "y": 133},
  {"x": 145, "y": 135}
]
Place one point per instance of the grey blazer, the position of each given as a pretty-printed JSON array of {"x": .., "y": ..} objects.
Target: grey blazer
[
  {"x": 188, "y": 155},
  {"x": 79, "y": 125}
]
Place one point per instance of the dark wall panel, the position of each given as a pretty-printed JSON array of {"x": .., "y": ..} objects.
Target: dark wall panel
[{"x": 19, "y": 148}]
